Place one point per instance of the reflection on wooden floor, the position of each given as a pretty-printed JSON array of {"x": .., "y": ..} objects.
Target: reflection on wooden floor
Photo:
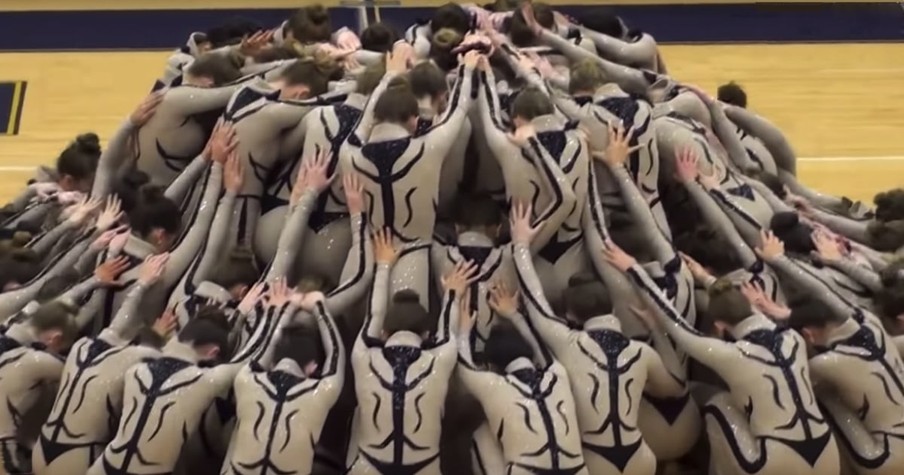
[{"x": 841, "y": 105}]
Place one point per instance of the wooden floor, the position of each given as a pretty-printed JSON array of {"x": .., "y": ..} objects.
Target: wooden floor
[{"x": 841, "y": 105}]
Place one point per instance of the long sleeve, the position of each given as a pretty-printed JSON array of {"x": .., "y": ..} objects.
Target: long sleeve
[
  {"x": 776, "y": 203},
  {"x": 643, "y": 216},
  {"x": 710, "y": 351},
  {"x": 553, "y": 331},
  {"x": 866, "y": 277},
  {"x": 358, "y": 271},
  {"x": 482, "y": 384},
  {"x": 128, "y": 319},
  {"x": 567, "y": 106},
  {"x": 630, "y": 79},
  {"x": 376, "y": 313},
  {"x": 814, "y": 286},
  {"x": 111, "y": 159},
  {"x": 183, "y": 255},
  {"x": 448, "y": 323},
  {"x": 641, "y": 53},
  {"x": 182, "y": 185},
  {"x": 849, "y": 228},
  {"x": 77, "y": 292},
  {"x": 216, "y": 241},
  {"x": 334, "y": 363},
  {"x": 541, "y": 354},
  {"x": 258, "y": 348},
  {"x": 46, "y": 242},
  {"x": 717, "y": 218},
  {"x": 292, "y": 235},
  {"x": 727, "y": 134},
  {"x": 13, "y": 301},
  {"x": 366, "y": 123},
  {"x": 768, "y": 133},
  {"x": 748, "y": 226},
  {"x": 190, "y": 100},
  {"x": 445, "y": 131},
  {"x": 563, "y": 197}
]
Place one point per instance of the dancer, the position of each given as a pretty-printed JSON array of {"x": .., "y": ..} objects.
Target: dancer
[
  {"x": 90, "y": 398},
  {"x": 600, "y": 361},
  {"x": 29, "y": 366},
  {"x": 402, "y": 373},
  {"x": 401, "y": 170},
  {"x": 768, "y": 422},
  {"x": 281, "y": 411},
  {"x": 164, "y": 399},
  {"x": 531, "y": 416}
]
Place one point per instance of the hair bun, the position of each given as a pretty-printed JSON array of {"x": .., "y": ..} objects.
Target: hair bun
[
  {"x": 88, "y": 143},
  {"x": 406, "y": 296},
  {"x": 720, "y": 287},
  {"x": 318, "y": 14},
  {"x": 150, "y": 193},
  {"x": 213, "y": 315},
  {"x": 26, "y": 256},
  {"x": 446, "y": 38},
  {"x": 784, "y": 221},
  {"x": 21, "y": 238}
]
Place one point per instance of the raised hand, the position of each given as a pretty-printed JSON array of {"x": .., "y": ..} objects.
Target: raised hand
[
  {"x": 279, "y": 293},
  {"x": 758, "y": 299},
  {"x": 347, "y": 39},
  {"x": 686, "y": 165},
  {"x": 119, "y": 241},
  {"x": 698, "y": 271},
  {"x": 616, "y": 256},
  {"x": 354, "y": 193},
  {"x": 222, "y": 142},
  {"x": 104, "y": 240},
  {"x": 771, "y": 247},
  {"x": 522, "y": 135},
  {"x": 502, "y": 300},
  {"x": 81, "y": 211},
  {"x": 111, "y": 214},
  {"x": 316, "y": 176},
  {"x": 143, "y": 113},
  {"x": 827, "y": 248},
  {"x": 166, "y": 324},
  {"x": 152, "y": 269},
  {"x": 522, "y": 231},
  {"x": 233, "y": 173},
  {"x": 385, "y": 251},
  {"x": 257, "y": 42},
  {"x": 108, "y": 272},
  {"x": 471, "y": 58},
  {"x": 527, "y": 11},
  {"x": 458, "y": 279},
  {"x": 619, "y": 147},
  {"x": 397, "y": 61},
  {"x": 251, "y": 299}
]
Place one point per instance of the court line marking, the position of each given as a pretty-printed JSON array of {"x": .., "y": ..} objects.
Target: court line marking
[{"x": 889, "y": 158}]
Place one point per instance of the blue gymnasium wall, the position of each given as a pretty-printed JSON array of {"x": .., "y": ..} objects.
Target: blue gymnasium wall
[{"x": 673, "y": 23}]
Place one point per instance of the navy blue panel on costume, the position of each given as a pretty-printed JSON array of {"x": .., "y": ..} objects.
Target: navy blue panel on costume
[{"x": 12, "y": 100}]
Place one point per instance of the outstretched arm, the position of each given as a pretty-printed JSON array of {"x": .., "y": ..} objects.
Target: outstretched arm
[
  {"x": 116, "y": 153},
  {"x": 771, "y": 136},
  {"x": 385, "y": 255},
  {"x": 127, "y": 321},
  {"x": 637, "y": 53},
  {"x": 358, "y": 272},
  {"x": 333, "y": 371},
  {"x": 552, "y": 330}
]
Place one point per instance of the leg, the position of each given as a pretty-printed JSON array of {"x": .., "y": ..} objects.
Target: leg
[
  {"x": 486, "y": 453},
  {"x": 670, "y": 427},
  {"x": 734, "y": 450},
  {"x": 864, "y": 452},
  {"x": 412, "y": 271}
]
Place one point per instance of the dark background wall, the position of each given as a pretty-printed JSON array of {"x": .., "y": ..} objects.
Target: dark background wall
[{"x": 674, "y": 23}]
